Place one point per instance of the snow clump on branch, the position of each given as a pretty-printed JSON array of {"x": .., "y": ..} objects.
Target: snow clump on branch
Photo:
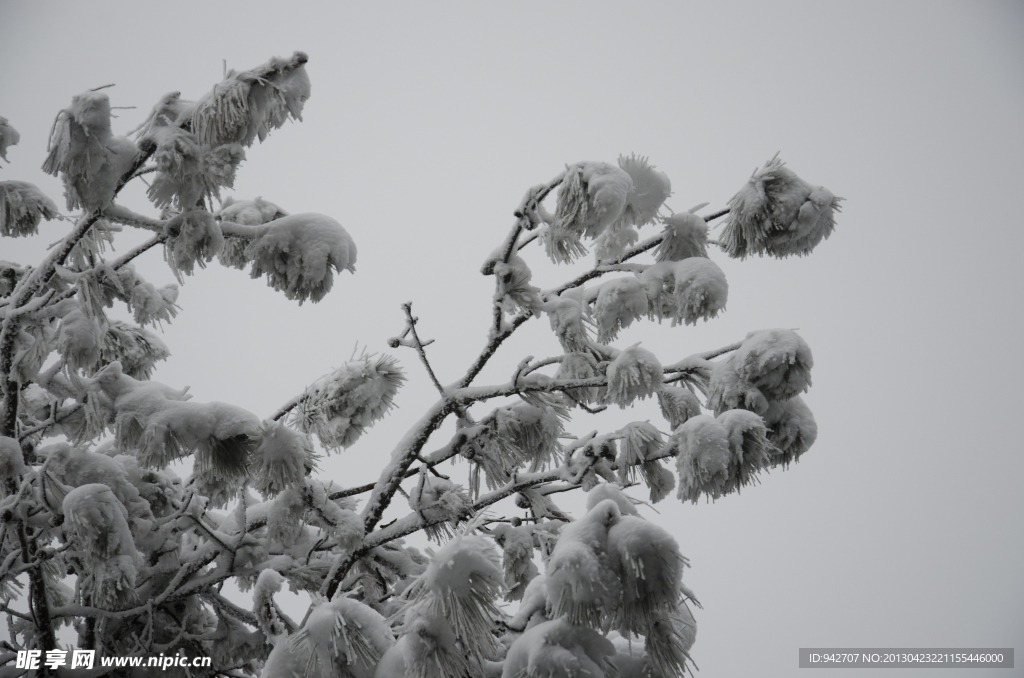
[
  {"x": 591, "y": 198},
  {"x": 779, "y": 214},
  {"x": 340, "y": 406},
  {"x": 86, "y": 155},
  {"x": 298, "y": 253},
  {"x": 8, "y": 137},
  {"x": 22, "y": 207}
]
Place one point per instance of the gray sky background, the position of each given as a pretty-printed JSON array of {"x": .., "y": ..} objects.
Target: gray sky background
[{"x": 902, "y": 527}]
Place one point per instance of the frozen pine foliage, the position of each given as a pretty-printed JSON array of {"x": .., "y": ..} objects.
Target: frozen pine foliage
[
  {"x": 558, "y": 649},
  {"x": 140, "y": 518},
  {"x": 340, "y": 406},
  {"x": 650, "y": 189},
  {"x": 778, "y": 213},
  {"x": 22, "y": 207},
  {"x": 635, "y": 373},
  {"x": 8, "y": 137},
  {"x": 299, "y": 254},
  {"x": 777, "y": 362},
  {"x": 591, "y": 198},
  {"x": 619, "y": 303},
  {"x": 685, "y": 235},
  {"x": 791, "y": 429},
  {"x": 83, "y": 151},
  {"x": 282, "y": 457}
]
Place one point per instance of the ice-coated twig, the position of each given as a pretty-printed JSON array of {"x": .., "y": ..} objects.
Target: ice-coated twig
[{"x": 419, "y": 345}]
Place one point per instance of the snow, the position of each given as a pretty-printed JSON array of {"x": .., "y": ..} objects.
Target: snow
[
  {"x": 196, "y": 239},
  {"x": 22, "y": 207},
  {"x": 591, "y": 198},
  {"x": 685, "y": 235},
  {"x": 776, "y": 362},
  {"x": 11, "y": 463},
  {"x": 700, "y": 291},
  {"x": 677, "y": 405},
  {"x": 461, "y": 584},
  {"x": 566, "y": 317},
  {"x": 791, "y": 429},
  {"x": 8, "y": 137},
  {"x": 557, "y": 649},
  {"x": 84, "y": 153},
  {"x": 517, "y": 543},
  {"x": 189, "y": 172},
  {"x": 779, "y": 214},
  {"x": 281, "y": 458},
  {"x": 647, "y": 560},
  {"x": 635, "y": 373},
  {"x": 619, "y": 302},
  {"x": 299, "y": 253},
  {"x": 650, "y": 190},
  {"x": 579, "y": 580},
  {"x": 339, "y": 406}
]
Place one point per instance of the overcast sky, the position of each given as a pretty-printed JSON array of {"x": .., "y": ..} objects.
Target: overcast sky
[{"x": 902, "y": 527}]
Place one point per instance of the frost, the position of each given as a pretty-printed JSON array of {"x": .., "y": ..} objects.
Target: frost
[
  {"x": 566, "y": 317},
  {"x": 516, "y": 542},
  {"x": 700, "y": 290},
  {"x": 247, "y": 105},
  {"x": 98, "y": 523},
  {"x": 190, "y": 173},
  {"x": 610, "y": 491},
  {"x": 426, "y": 649},
  {"x": 777, "y": 362},
  {"x": 619, "y": 303},
  {"x": 162, "y": 426},
  {"x": 718, "y": 456},
  {"x": 342, "y": 638},
  {"x": 515, "y": 435},
  {"x": 635, "y": 373},
  {"x": 728, "y": 391},
  {"x": 650, "y": 190},
  {"x": 150, "y": 304},
  {"x": 641, "y": 441},
  {"x": 84, "y": 153},
  {"x": 614, "y": 242},
  {"x": 461, "y": 585},
  {"x": 196, "y": 239},
  {"x": 75, "y": 467},
  {"x": 513, "y": 290},
  {"x": 282, "y": 457},
  {"x": 442, "y": 505},
  {"x": 685, "y": 235},
  {"x": 249, "y": 213},
  {"x": 12, "y": 464},
  {"x": 558, "y": 649},
  {"x": 268, "y": 583},
  {"x": 137, "y": 349},
  {"x": 80, "y": 337},
  {"x": 791, "y": 429},
  {"x": 686, "y": 290},
  {"x": 298, "y": 253},
  {"x": 284, "y": 522},
  {"x": 677, "y": 405},
  {"x": 8, "y": 137},
  {"x": 340, "y": 406},
  {"x": 591, "y": 198},
  {"x": 22, "y": 207},
  {"x": 579, "y": 366},
  {"x": 779, "y": 214},
  {"x": 647, "y": 560},
  {"x": 580, "y": 582}
]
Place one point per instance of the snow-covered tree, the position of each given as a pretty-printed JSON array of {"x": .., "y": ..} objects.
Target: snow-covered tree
[{"x": 99, "y": 533}]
